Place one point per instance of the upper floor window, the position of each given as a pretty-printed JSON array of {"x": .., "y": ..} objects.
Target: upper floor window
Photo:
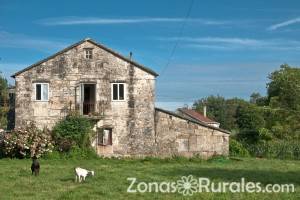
[
  {"x": 41, "y": 91},
  {"x": 118, "y": 91},
  {"x": 88, "y": 53}
]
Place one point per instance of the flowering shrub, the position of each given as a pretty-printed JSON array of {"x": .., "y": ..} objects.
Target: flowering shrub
[
  {"x": 27, "y": 142},
  {"x": 1, "y": 143}
]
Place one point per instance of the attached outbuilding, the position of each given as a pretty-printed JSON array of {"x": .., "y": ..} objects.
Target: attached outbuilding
[{"x": 117, "y": 92}]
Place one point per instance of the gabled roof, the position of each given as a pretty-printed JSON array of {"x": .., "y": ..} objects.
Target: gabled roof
[
  {"x": 191, "y": 120},
  {"x": 146, "y": 69},
  {"x": 196, "y": 115}
]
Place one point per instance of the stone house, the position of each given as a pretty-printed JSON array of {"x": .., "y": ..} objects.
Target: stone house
[{"x": 116, "y": 92}]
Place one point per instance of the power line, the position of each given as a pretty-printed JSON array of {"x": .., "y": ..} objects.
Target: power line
[{"x": 179, "y": 38}]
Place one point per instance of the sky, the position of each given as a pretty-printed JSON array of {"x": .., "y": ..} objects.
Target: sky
[{"x": 199, "y": 48}]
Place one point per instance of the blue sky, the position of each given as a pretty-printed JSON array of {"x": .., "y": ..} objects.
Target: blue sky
[{"x": 226, "y": 47}]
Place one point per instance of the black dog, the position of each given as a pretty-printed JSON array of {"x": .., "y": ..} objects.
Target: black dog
[{"x": 35, "y": 166}]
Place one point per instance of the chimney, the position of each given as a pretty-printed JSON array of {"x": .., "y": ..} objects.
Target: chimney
[
  {"x": 204, "y": 110},
  {"x": 130, "y": 55}
]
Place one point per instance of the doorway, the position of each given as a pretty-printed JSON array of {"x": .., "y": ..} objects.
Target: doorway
[{"x": 89, "y": 99}]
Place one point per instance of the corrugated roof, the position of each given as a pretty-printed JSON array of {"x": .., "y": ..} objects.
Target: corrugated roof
[{"x": 146, "y": 69}]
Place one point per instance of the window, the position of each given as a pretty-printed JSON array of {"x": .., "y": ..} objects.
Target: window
[
  {"x": 105, "y": 136},
  {"x": 118, "y": 91},
  {"x": 41, "y": 91},
  {"x": 88, "y": 53}
]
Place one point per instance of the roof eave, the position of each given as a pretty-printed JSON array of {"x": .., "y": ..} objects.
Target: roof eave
[
  {"x": 190, "y": 115},
  {"x": 193, "y": 121},
  {"x": 146, "y": 69}
]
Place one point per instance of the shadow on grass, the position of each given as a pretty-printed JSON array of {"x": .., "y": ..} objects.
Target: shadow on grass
[
  {"x": 233, "y": 175},
  {"x": 67, "y": 179}
]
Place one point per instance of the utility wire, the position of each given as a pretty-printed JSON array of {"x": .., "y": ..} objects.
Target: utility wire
[{"x": 179, "y": 38}]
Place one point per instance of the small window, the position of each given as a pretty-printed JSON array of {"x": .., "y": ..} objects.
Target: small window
[
  {"x": 105, "y": 136},
  {"x": 118, "y": 91},
  {"x": 88, "y": 53},
  {"x": 41, "y": 91}
]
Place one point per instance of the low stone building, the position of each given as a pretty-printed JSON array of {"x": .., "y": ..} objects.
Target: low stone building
[{"x": 119, "y": 94}]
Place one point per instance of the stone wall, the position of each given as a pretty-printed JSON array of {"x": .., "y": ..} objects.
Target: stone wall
[
  {"x": 176, "y": 135},
  {"x": 137, "y": 128},
  {"x": 132, "y": 120}
]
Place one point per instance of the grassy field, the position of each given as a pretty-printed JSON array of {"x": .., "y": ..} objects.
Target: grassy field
[{"x": 56, "y": 180}]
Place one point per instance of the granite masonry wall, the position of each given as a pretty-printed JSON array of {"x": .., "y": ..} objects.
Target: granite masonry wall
[
  {"x": 132, "y": 120},
  {"x": 138, "y": 129},
  {"x": 176, "y": 135}
]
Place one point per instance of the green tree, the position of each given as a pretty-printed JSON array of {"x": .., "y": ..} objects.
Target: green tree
[
  {"x": 216, "y": 108},
  {"x": 4, "y": 107},
  {"x": 257, "y": 99},
  {"x": 284, "y": 88},
  {"x": 222, "y": 110},
  {"x": 254, "y": 97},
  {"x": 250, "y": 120},
  {"x": 231, "y": 108},
  {"x": 249, "y": 117}
]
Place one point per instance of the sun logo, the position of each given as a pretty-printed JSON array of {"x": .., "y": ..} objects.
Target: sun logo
[{"x": 187, "y": 185}]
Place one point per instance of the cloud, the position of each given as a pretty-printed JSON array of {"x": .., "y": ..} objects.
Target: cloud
[
  {"x": 285, "y": 23},
  {"x": 11, "y": 40},
  {"x": 105, "y": 21},
  {"x": 7, "y": 69},
  {"x": 223, "y": 43}
]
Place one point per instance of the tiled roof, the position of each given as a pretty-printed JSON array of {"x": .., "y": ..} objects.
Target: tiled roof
[
  {"x": 191, "y": 120},
  {"x": 196, "y": 115}
]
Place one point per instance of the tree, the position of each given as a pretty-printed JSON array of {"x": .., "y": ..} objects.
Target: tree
[
  {"x": 231, "y": 108},
  {"x": 220, "y": 109},
  {"x": 250, "y": 120},
  {"x": 284, "y": 88},
  {"x": 215, "y": 107},
  {"x": 275, "y": 116},
  {"x": 3, "y": 102},
  {"x": 254, "y": 97}
]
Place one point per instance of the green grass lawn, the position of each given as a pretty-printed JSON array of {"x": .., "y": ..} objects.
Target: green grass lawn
[{"x": 56, "y": 180}]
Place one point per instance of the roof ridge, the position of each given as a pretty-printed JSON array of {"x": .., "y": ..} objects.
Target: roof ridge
[
  {"x": 202, "y": 115},
  {"x": 191, "y": 120},
  {"x": 142, "y": 67}
]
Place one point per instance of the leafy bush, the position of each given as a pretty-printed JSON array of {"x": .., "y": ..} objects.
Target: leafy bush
[
  {"x": 74, "y": 153},
  {"x": 74, "y": 130},
  {"x": 27, "y": 142},
  {"x": 237, "y": 149},
  {"x": 3, "y": 101},
  {"x": 77, "y": 153},
  {"x": 276, "y": 149},
  {"x": 2, "y": 154},
  {"x": 54, "y": 155},
  {"x": 265, "y": 134},
  {"x": 219, "y": 159}
]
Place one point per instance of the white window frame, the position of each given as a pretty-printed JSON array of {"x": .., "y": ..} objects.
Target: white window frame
[
  {"x": 88, "y": 53},
  {"x": 105, "y": 137},
  {"x": 42, "y": 88},
  {"x": 112, "y": 92}
]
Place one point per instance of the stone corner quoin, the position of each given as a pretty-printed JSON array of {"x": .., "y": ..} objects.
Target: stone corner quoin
[{"x": 131, "y": 124}]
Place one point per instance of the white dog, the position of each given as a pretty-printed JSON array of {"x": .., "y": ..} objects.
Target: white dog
[{"x": 82, "y": 173}]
